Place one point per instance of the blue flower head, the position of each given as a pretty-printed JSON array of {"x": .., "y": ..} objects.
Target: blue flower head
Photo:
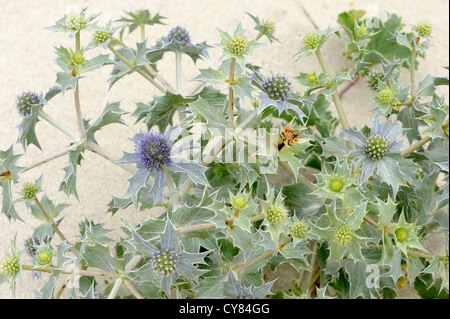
[
  {"x": 153, "y": 151},
  {"x": 277, "y": 87},
  {"x": 25, "y": 101},
  {"x": 179, "y": 34}
]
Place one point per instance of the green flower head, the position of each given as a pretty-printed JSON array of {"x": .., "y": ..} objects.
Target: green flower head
[
  {"x": 333, "y": 185},
  {"x": 10, "y": 265},
  {"x": 405, "y": 235},
  {"x": 311, "y": 40},
  {"x": 30, "y": 190},
  {"x": 299, "y": 229},
  {"x": 43, "y": 255},
  {"x": 239, "y": 201},
  {"x": 424, "y": 29},
  {"x": 343, "y": 235},
  {"x": 386, "y": 96},
  {"x": 276, "y": 214}
]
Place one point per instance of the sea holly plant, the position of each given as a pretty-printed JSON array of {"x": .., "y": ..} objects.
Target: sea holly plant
[{"x": 351, "y": 199}]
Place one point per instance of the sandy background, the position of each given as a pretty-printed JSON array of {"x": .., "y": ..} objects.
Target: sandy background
[{"x": 27, "y": 63}]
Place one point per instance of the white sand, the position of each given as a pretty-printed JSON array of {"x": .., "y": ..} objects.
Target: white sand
[{"x": 27, "y": 63}]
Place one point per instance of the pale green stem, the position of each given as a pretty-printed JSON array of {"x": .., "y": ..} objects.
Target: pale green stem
[
  {"x": 335, "y": 97},
  {"x": 197, "y": 88},
  {"x": 413, "y": 70},
  {"x": 420, "y": 143},
  {"x": 47, "y": 159},
  {"x": 97, "y": 149},
  {"x": 49, "y": 269},
  {"x": 231, "y": 93},
  {"x": 192, "y": 228},
  {"x": 81, "y": 128},
  {"x": 132, "y": 289},
  {"x": 142, "y": 27},
  {"x": 44, "y": 116},
  {"x": 115, "y": 288},
  {"x": 313, "y": 265},
  {"x": 263, "y": 256},
  {"x": 178, "y": 58}
]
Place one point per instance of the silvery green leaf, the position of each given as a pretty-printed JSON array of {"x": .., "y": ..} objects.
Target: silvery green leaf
[
  {"x": 9, "y": 173},
  {"x": 403, "y": 40},
  {"x": 94, "y": 63},
  {"x": 213, "y": 115},
  {"x": 211, "y": 287},
  {"x": 50, "y": 208},
  {"x": 410, "y": 118},
  {"x": 66, "y": 81},
  {"x": 200, "y": 212},
  {"x": 193, "y": 170},
  {"x": 162, "y": 46},
  {"x": 99, "y": 256},
  {"x": 241, "y": 238},
  {"x": 170, "y": 240},
  {"x": 358, "y": 274},
  {"x": 112, "y": 113},
  {"x": 118, "y": 204},
  {"x": 301, "y": 200},
  {"x": 69, "y": 183},
  {"x": 27, "y": 133},
  {"x": 242, "y": 88},
  {"x": 46, "y": 292},
  {"x": 94, "y": 233},
  {"x": 211, "y": 76},
  {"x": 62, "y": 258}
]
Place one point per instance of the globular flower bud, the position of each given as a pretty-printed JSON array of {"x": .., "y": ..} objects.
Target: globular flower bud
[
  {"x": 154, "y": 150},
  {"x": 164, "y": 262},
  {"x": 386, "y": 96},
  {"x": 101, "y": 36},
  {"x": 29, "y": 191},
  {"x": 10, "y": 265},
  {"x": 373, "y": 78},
  {"x": 277, "y": 87},
  {"x": 424, "y": 29},
  {"x": 276, "y": 214},
  {"x": 336, "y": 185},
  {"x": 238, "y": 45},
  {"x": 401, "y": 234},
  {"x": 343, "y": 235},
  {"x": 376, "y": 147},
  {"x": 311, "y": 40},
  {"x": 362, "y": 31},
  {"x": 312, "y": 78},
  {"x": 270, "y": 25},
  {"x": 181, "y": 35},
  {"x": 299, "y": 229},
  {"x": 239, "y": 202},
  {"x": 25, "y": 101},
  {"x": 74, "y": 21},
  {"x": 78, "y": 58}
]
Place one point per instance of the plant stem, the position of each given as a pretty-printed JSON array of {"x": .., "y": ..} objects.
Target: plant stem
[
  {"x": 263, "y": 256},
  {"x": 192, "y": 228},
  {"x": 132, "y": 289},
  {"x": 115, "y": 288},
  {"x": 55, "y": 228},
  {"x": 231, "y": 93},
  {"x": 47, "y": 159},
  {"x": 81, "y": 128},
  {"x": 336, "y": 99},
  {"x": 413, "y": 70},
  {"x": 142, "y": 27},
  {"x": 132, "y": 67},
  {"x": 44, "y": 116},
  {"x": 49, "y": 269},
  {"x": 349, "y": 85},
  {"x": 178, "y": 58},
  {"x": 97, "y": 149},
  {"x": 420, "y": 143}
]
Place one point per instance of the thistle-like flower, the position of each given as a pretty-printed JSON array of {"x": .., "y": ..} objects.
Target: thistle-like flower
[
  {"x": 276, "y": 91},
  {"x": 166, "y": 260},
  {"x": 342, "y": 231},
  {"x": 155, "y": 156},
  {"x": 376, "y": 151},
  {"x": 154, "y": 151},
  {"x": 179, "y": 34},
  {"x": 334, "y": 185},
  {"x": 10, "y": 265},
  {"x": 32, "y": 243},
  {"x": 405, "y": 235},
  {"x": 43, "y": 255},
  {"x": 75, "y": 21},
  {"x": 25, "y": 101},
  {"x": 299, "y": 228}
]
